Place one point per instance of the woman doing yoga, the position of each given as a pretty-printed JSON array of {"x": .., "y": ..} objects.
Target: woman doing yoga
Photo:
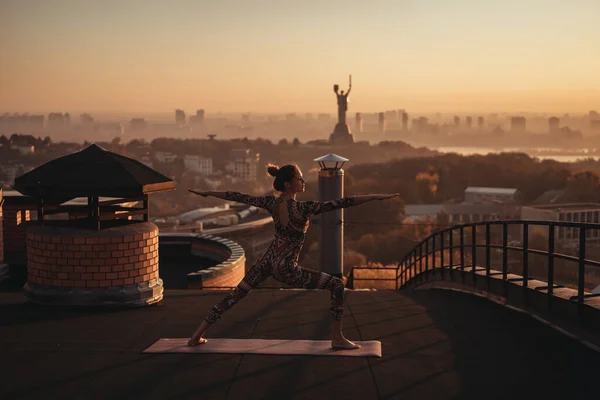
[{"x": 280, "y": 260}]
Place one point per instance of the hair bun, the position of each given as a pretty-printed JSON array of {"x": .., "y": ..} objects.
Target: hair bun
[{"x": 272, "y": 169}]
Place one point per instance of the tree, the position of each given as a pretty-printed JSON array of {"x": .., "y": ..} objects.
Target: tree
[
  {"x": 582, "y": 187},
  {"x": 442, "y": 219},
  {"x": 114, "y": 144}
]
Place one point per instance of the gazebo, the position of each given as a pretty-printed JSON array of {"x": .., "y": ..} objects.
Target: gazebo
[
  {"x": 92, "y": 173},
  {"x": 104, "y": 253}
]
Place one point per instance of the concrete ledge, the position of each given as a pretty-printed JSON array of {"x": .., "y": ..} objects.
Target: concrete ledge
[{"x": 141, "y": 294}]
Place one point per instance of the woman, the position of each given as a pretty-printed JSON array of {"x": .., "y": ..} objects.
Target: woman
[{"x": 291, "y": 220}]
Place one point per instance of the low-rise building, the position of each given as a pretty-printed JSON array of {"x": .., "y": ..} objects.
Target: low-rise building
[
  {"x": 147, "y": 161},
  {"x": 165, "y": 156},
  {"x": 461, "y": 213},
  {"x": 580, "y": 212},
  {"x": 24, "y": 149},
  {"x": 243, "y": 164},
  {"x": 202, "y": 165},
  {"x": 10, "y": 172},
  {"x": 476, "y": 195}
]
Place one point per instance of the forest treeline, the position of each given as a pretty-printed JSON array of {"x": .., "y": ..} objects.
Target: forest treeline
[{"x": 374, "y": 232}]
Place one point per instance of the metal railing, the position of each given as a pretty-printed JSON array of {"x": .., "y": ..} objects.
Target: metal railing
[
  {"x": 352, "y": 276},
  {"x": 440, "y": 246}
]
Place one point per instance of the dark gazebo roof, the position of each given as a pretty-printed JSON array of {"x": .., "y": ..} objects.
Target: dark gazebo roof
[{"x": 92, "y": 172}]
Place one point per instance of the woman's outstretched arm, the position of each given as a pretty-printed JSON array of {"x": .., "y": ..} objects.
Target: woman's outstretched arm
[
  {"x": 258, "y": 201},
  {"x": 361, "y": 199},
  {"x": 318, "y": 207}
]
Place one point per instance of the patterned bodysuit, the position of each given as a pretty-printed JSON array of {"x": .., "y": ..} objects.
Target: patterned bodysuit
[{"x": 280, "y": 260}]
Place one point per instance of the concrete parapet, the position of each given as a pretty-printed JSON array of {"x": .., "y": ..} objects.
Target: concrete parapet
[{"x": 230, "y": 256}]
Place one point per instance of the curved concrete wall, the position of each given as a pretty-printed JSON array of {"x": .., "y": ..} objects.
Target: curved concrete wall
[{"x": 230, "y": 256}]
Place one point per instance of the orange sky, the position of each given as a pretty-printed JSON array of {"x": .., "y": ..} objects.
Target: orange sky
[{"x": 284, "y": 56}]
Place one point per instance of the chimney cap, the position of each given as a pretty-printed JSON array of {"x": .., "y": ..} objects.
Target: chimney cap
[{"x": 324, "y": 161}]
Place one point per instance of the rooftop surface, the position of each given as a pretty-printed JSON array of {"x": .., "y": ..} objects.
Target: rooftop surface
[
  {"x": 486, "y": 190},
  {"x": 436, "y": 345},
  {"x": 567, "y": 206}
]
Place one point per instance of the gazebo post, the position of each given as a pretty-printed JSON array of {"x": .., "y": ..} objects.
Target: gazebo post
[
  {"x": 96, "y": 202},
  {"x": 147, "y": 213},
  {"x": 90, "y": 205},
  {"x": 41, "y": 210}
]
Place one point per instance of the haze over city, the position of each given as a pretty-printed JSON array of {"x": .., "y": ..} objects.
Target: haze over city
[
  {"x": 282, "y": 56},
  {"x": 412, "y": 181}
]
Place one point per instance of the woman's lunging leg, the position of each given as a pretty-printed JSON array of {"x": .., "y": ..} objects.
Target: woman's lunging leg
[
  {"x": 309, "y": 279},
  {"x": 253, "y": 278}
]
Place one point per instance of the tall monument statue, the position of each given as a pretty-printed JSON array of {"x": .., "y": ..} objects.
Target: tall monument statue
[
  {"x": 342, "y": 101},
  {"x": 341, "y": 133}
]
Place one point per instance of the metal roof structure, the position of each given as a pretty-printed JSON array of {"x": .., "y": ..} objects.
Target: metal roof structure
[
  {"x": 331, "y": 158},
  {"x": 490, "y": 190},
  {"x": 92, "y": 172}
]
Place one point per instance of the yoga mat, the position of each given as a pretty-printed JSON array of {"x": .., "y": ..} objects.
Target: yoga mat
[{"x": 371, "y": 348}]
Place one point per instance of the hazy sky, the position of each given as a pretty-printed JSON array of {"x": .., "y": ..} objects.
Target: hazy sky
[{"x": 281, "y": 55}]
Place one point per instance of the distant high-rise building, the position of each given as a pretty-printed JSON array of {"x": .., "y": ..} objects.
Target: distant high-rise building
[
  {"x": 415, "y": 125},
  {"x": 67, "y": 118},
  {"x": 553, "y": 124},
  {"x": 456, "y": 121},
  {"x": 469, "y": 122},
  {"x": 137, "y": 124},
  {"x": 595, "y": 125},
  {"x": 21, "y": 122},
  {"x": 593, "y": 114},
  {"x": 404, "y": 121},
  {"x": 423, "y": 124},
  {"x": 358, "y": 122},
  {"x": 86, "y": 120},
  {"x": 518, "y": 124},
  {"x": 391, "y": 115},
  {"x": 480, "y": 122},
  {"x": 56, "y": 121},
  {"x": 180, "y": 119},
  {"x": 197, "y": 119},
  {"x": 400, "y": 113},
  {"x": 381, "y": 121},
  {"x": 245, "y": 118}
]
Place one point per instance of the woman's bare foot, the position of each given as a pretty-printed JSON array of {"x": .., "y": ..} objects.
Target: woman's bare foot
[
  {"x": 196, "y": 341},
  {"x": 197, "y": 338},
  {"x": 344, "y": 343}
]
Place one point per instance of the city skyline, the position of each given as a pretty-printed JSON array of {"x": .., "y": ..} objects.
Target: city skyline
[{"x": 278, "y": 57}]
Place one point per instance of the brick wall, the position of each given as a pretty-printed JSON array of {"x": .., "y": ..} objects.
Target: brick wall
[
  {"x": 15, "y": 221},
  {"x": 229, "y": 279},
  {"x": 210, "y": 250},
  {"x": 110, "y": 258}
]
